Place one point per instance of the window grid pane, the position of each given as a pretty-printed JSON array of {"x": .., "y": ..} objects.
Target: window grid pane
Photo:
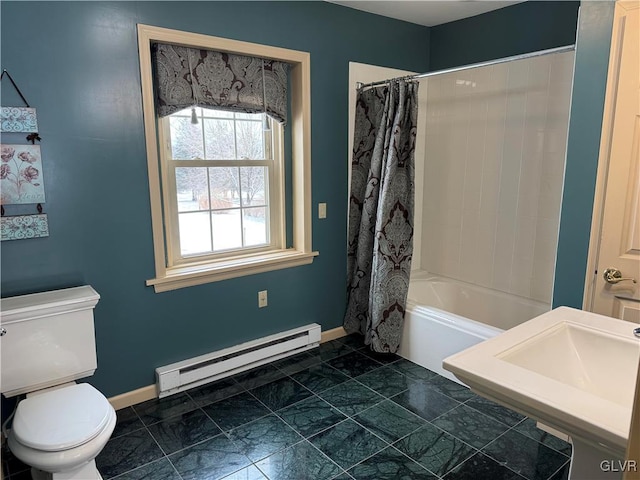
[
  {"x": 256, "y": 223},
  {"x": 229, "y": 209},
  {"x": 227, "y": 228},
  {"x": 250, "y": 140},
  {"x": 255, "y": 143},
  {"x": 235, "y": 200},
  {"x": 195, "y": 233},
  {"x": 253, "y": 181},
  {"x": 218, "y": 138},
  {"x": 186, "y": 139},
  {"x": 192, "y": 189}
]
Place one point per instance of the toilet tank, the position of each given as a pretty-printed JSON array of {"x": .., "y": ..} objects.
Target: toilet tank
[{"x": 47, "y": 339}]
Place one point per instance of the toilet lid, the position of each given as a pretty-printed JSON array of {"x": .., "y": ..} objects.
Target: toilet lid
[{"x": 62, "y": 418}]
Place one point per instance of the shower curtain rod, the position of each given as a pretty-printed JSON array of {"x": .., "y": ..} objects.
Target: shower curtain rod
[{"x": 522, "y": 56}]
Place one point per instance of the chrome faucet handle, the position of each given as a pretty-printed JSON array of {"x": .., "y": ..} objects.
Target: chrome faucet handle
[
  {"x": 613, "y": 276},
  {"x": 636, "y": 332}
]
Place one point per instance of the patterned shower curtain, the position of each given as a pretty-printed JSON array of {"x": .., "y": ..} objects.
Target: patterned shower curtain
[{"x": 380, "y": 242}]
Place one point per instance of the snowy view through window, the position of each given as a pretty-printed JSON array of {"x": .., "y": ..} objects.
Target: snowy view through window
[{"x": 221, "y": 180}]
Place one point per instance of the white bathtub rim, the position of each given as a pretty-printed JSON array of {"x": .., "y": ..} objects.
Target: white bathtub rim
[
  {"x": 435, "y": 333},
  {"x": 425, "y": 276},
  {"x": 454, "y": 321}
]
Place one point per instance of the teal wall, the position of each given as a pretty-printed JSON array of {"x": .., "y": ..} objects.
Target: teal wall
[
  {"x": 77, "y": 63},
  {"x": 520, "y": 28},
  {"x": 587, "y": 108}
]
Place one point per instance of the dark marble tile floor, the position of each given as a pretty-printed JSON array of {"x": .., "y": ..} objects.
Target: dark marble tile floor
[{"x": 336, "y": 412}]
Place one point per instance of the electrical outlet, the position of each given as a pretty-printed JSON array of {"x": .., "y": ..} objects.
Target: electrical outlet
[
  {"x": 322, "y": 210},
  {"x": 262, "y": 299}
]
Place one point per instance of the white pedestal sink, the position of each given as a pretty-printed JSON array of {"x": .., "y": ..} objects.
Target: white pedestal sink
[{"x": 572, "y": 370}]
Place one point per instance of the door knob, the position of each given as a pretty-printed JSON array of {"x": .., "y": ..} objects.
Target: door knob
[{"x": 613, "y": 276}]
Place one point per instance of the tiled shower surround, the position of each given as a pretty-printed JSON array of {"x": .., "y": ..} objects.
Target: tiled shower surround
[
  {"x": 493, "y": 174},
  {"x": 336, "y": 412}
]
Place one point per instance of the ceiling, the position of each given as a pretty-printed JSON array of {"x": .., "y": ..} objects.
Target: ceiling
[{"x": 426, "y": 12}]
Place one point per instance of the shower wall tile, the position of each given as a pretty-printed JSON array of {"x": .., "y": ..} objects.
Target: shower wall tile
[
  {"x": 521, "y": 273},
  {"x": 539, "y": 72},
  {"x": 482, "y": 78},
  {"x": 525, "y": 237},
  {"x": 445, "y": 253},
  {"x": 540, "y": 287},
  {"x": 561, "y": 69},
  {"x": 519, "y": 80},
  {"x": 556, "y": 138},
  {"x": 537, "y": 98},
  {"x": 454, "y": 179},
  {"x": 503, "y": 258},
  {"x": 490, "y": 193},
  {"x": 546, "y": 233},
  {"x": 529, "y": 186},
  {"x": 482, "y": 273},
  {"x": 472, "y": 190},
  {"x": 552, "y": 168},
  {"x": 475, "y": 147},
  {"x": 499, "y": 78},
  {"x": 549, "y": 203},
  {"x": 512, "y": 154},
  {"x": 493, "y": 174},
  {"x": 468, "y": 245}
]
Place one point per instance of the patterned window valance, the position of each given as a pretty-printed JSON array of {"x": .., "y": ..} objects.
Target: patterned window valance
[{"x": 188, "y": 76}]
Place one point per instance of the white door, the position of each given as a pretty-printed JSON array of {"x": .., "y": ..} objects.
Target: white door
[{"x": 614, "y": 288}]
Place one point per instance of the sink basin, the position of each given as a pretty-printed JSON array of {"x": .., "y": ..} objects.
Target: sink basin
[
  {"x": 573, "y": 355},
  {"x": 572, "y": 370}
]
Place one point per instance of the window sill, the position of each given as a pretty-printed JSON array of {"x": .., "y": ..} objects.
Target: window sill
[{"x": 181, "y": 277}]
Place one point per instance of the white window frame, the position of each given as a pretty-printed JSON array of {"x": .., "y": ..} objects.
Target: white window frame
[
  {"x": 170, "y": 276},
  {"x": 273, "y": 161}
]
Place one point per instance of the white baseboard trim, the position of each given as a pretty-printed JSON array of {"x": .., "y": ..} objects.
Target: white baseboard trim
[
  {"x": 332, "y": 334},
  {"x": 149, "y": 392},
  {"x": 133, "y": 397}
]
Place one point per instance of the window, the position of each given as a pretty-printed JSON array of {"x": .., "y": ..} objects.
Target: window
[
  {"x": 216, "y": 175},
  {"x": 224, "y": 183}
]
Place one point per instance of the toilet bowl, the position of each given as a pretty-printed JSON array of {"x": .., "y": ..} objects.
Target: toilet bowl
[
  {"x": 60, "y": 432},
  {"x": 48, "y": 342}
]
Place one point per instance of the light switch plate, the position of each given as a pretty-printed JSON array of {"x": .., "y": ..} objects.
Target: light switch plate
[
  {"x": 262, "y": 299},
  {"x": 322, "y": 210}
]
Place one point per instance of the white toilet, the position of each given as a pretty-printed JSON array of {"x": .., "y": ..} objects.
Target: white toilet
[{"x": 47, "y": 342}]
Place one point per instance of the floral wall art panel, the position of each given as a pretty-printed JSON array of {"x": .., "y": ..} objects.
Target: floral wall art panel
[
  {"x": 21, "y": 227},
  {"x": 18, "y": 119},
  {"x": 21, "y": 174}
]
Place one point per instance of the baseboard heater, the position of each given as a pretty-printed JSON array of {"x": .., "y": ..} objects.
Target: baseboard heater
[{"x": 197, "y": 371}]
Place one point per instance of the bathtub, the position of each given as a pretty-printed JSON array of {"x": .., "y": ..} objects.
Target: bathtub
[{"x": 445, "y": 316}]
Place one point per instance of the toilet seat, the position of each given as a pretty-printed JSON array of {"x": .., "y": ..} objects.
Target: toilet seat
[
  {"x": 61, "y": 419},
  {"x": 66, "y": 463}
]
